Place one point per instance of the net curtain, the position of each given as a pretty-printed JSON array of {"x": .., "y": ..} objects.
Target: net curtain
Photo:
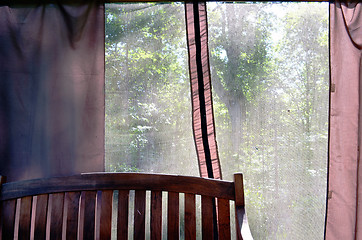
[
  {"x": 344, "y": 206},
  {"x": 51, "y": 90}
]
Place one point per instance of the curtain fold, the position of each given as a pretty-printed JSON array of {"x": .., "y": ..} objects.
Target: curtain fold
[
  {"x": 344, "y": 207},
  {"x": 51, "y": 90}
]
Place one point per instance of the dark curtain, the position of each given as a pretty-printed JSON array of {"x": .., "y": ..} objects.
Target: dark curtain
[
  {"x": 51, "y": 90},
  {"x": 344, "y": 207}
]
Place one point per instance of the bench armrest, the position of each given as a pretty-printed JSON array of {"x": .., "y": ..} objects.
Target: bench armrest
[
  {"x": 243, "y": 231},
  {"x": 242, "y": 223}
]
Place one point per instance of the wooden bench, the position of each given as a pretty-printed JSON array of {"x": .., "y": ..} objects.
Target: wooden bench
[{"x": 84, "y": 206}]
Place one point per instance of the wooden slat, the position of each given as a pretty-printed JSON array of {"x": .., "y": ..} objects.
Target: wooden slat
[
  {"x": 89, "y": 201},
  {"x": 207, "y": 218},
  {"x": 156, "y": 215},
  {"x": 8, "y": 219},
  {"x": 56, "y": 215},
  {"x": 173, "y": 216},
  {"x": 106, "y": 215},
  {"x": 72, "y": 211},
  {"x": 122, "y": 218},
  {"x": 25, "y": 217},
  {"x": 241, "y": 221},
  {"x": 239, "y": 204},
  {"x": 239, "y": 189},
  {"x": 139, "y": 214},
  {"x": 135, "y": 181},
  {"x": 89, "y": 227},
  {"x": 190, "y": 217},
  {"x": 242, "y": 225},
  {"x": 223, "y": 207},
  {"x": 41, "y": 207}
]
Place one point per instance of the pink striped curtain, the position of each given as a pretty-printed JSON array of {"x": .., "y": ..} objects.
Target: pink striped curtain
[
  {"x": 344, "y": 208},
  {"x": 200, "y": 80}
]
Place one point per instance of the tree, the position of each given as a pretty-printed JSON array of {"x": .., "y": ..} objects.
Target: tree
[
  {"x": 147, "y": 88},
  {"x": 239, "y": 60},
  {"x": 275, "y": 58}
]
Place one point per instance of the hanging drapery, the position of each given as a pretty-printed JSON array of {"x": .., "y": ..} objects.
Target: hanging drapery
[
  {"x": 51, "y": 83},
  {"x": 344, "y": 208},
  {"x": 202, "y": 111}
]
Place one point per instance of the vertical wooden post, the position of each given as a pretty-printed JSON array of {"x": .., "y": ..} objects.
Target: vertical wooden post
[
  {"x": 239, "y": 189},
  {"x": 242, "y": 225}
]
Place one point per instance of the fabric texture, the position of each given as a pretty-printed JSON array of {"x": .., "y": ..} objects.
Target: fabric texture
[
  {"x": 51, "y": 90},
  {"x": 344, "y": 207},
  {"x": 202, "y": 110}
]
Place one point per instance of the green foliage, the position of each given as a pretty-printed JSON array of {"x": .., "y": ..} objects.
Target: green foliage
[
  {"x": 147, "y": 88},
  {"x": 269, "y": 65},
  {"x": 122, "y": 167},
  {"x": 271, "y": 110}
]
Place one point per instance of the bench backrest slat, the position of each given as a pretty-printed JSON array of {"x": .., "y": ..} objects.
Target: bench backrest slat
[
  {"x": 207, "y": 218},
  {"x": 223, "y": 207},
  {"x": 8, "y": 220},
  {"x": 56, "y": 204},
  {"x": 41, "y": 206},
  {"x": 173, "y": 216},
  {"x": 88, "y": 201},
  {"x": 106, "y": 214},
  {"x": 25, "y": 217},
  {"x": 122, "y": 219},
  {"x": 71, "y": 211},
  {"x": 190, "y": 216},
  {"x": 84, "y": 206},
  {"x": 156, "y": 215},
  {"x": 139, "y": 214}
]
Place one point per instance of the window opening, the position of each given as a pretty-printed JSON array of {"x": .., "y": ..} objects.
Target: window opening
[
  {"x": 270, "y": 76},
  {"x": 269, "y": 70},
  {"x": 148, "y": 106}
]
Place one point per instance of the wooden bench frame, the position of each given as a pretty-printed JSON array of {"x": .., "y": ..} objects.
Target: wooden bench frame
[{"x": 80, "y": 206}]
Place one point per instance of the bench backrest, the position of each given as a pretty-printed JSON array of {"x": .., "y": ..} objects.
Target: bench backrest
[{"x": 82, "y": 206}]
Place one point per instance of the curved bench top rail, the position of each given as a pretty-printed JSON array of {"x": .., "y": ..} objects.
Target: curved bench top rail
[{"x": 118, "y": 181}]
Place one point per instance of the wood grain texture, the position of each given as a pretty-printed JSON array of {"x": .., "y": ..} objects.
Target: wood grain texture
[
  {"x": 56, "y": 215},
  {"x": 71, "y": 206},
  {"x": 106, "y": 215},
  {"x": 156, "y": 215},
  {"x": 8, "y": 219},
  {"x": 207, "y": 225},
  {"x": 25, "y": 217},
  {"x": 173, "y": 216},
  {"x": 122, "y": 218},
  {"x": 139, "y": 214},
  {"x": 69, "y": 201},
  {"x": 89, "y": 201},
  {"x": 241, "y": 221},
  {"x": 239, "y": 189},
  {"x": 190, "y": 216},
  {"x": 223, "y": 208},
  {"x": 41, "y": 207},
  {"x": 134, "y": 181}
]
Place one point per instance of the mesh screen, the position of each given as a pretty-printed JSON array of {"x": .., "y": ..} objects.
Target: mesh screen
[
  {"x": 270, "y": 76},
  {"x": 148, "y": 106},
  {"x": 269, "y": 65}
]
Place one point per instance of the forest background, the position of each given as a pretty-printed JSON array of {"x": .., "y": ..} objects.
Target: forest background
[{"x": 270, "y": 79}]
